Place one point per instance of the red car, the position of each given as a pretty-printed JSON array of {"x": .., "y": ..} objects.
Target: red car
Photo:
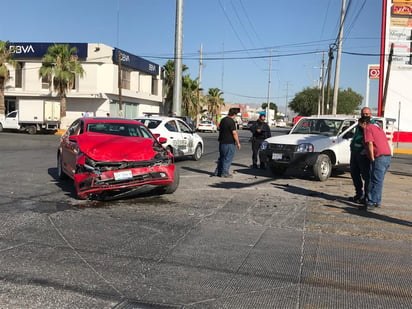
[{"x": 110, "y": 157}]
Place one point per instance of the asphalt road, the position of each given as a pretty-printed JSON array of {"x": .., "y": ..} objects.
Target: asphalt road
[{"x": 252, "y": 241}]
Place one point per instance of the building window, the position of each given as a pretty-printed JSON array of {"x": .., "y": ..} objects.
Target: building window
[
  {"x": 125, "y": 79},
  {"x": 155, "y": 83},
  {"x": 19, "y": 75},
  {"x": 45, "y": 82}
]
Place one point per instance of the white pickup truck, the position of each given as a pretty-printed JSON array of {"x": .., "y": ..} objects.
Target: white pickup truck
[
  {"x": 320, "y": 143},
  {"x": 33, "y": 116}
]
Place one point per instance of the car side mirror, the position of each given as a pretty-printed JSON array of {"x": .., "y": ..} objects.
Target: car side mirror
[{"x": 162, "y": 140}]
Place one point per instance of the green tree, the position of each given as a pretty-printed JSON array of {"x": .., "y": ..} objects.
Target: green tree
[
  {"x": 169, "y": 81},
  {"x": 190, "y": 98},
  {"x": 214, "y": 102},
  {"x": 272, "y": 106},
  {"x": 305, "y": 103},
  {"x": 60, "y": 63},
  {"x": 6, "y": 57}
]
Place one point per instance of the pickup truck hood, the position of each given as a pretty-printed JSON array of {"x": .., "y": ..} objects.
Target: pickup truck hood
[{"x": 317, "y": 140}]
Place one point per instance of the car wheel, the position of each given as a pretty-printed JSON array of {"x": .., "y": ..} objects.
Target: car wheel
[
  {"x": 31, "y": 130},
  {"x": 322, "y": 168},
  {"x": 278, "y": 170},
  {"x": 60, "y": 173},
  {"x": 198, "y": 153},
  {"x": 173, "y": 187}
]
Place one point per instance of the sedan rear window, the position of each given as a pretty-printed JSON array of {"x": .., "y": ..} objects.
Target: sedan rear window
[{"x": 150, "y": 123}]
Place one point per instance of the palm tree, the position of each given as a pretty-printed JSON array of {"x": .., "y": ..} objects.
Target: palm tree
[
  {"x": 190, "y": 97},
  {"x": 214, "y": 102},
  {"x": 169, "y": 82},
  {"x": 6, "y": 57},
  {"x": 61, "y": 63}
]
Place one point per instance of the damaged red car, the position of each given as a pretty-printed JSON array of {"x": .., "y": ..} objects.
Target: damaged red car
[{"x": 111, "y": 157}]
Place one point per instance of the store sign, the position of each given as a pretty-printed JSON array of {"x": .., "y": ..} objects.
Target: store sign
[
  {"x": 38, "y": 50},
  {"x": 135, "y": 62},
  {"x": 374, "y": 72}
]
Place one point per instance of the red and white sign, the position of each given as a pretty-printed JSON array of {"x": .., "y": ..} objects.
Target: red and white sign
[{"x": 374, "y": 72}]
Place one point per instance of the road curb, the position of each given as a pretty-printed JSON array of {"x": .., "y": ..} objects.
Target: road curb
[{"x": 402, "y": 151}]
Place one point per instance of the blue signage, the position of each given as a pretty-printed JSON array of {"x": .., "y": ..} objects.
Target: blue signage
[
  {"x": 135, "y": 62},
  {"x": 38, "y": 50}
]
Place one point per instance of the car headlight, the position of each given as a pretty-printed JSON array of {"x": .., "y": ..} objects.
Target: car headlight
[
  {"x": 264, "y": 145},
  {"x": 305, "y": 147}
]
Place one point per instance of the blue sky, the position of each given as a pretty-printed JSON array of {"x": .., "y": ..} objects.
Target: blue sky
[{"x": 246, "y": 30}]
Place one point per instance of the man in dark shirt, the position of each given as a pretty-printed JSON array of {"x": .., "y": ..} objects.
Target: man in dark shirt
[
  {"x": 228, "y": 138},
  {"x": 260, "y": 132}
]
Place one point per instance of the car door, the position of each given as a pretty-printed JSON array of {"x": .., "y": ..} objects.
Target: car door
[
  {"x": 70, "y": 147},
  {"x": 175, "y": 138},
  {"x": 11, "y": 121},
  {"x": 342, "y": 147},
  {"x": 187, "y": 147}
]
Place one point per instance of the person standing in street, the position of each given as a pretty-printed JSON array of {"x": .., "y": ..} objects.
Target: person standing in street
[
  {"x": 379, "y": 154},
  {"x": 228, "y": 140},
  {"x": 359, "y": 162},
  {"x": 260, "y": 132}
]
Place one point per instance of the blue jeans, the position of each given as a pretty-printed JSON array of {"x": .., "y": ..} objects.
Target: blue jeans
[
  {"x": 377, "y": 175},
  {"x": 359, "y": 171},
  {"x": 226, "y": 154}
]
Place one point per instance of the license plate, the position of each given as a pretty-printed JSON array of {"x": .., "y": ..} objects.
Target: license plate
[
  {"x": 123, "y": 175},
  {"x": 276, "y": 156}
]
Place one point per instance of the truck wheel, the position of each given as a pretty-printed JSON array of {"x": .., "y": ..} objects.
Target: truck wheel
[
  {"x": 278, "y": 170},
  {"x": 322, "y": 168},
  {"x": 1, "y": 128},
  {"x": 31, "y": 130}
]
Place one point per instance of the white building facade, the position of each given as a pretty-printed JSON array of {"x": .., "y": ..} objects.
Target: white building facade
[{"x": 97, "y": 92}]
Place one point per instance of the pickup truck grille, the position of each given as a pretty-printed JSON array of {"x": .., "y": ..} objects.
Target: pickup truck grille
[{"x": 282, "y": 147}]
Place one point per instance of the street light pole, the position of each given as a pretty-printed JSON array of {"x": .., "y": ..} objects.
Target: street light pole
[{"x": 177, "y": 87}]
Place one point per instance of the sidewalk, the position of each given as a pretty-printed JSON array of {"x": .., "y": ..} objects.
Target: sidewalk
[{"x": 402, "y": 148}]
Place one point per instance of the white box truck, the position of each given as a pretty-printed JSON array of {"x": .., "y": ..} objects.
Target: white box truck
[{"x": 33, "y": 116}]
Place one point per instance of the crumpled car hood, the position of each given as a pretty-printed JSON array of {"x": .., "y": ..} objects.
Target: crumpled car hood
[{"x": 104, "y": 147}]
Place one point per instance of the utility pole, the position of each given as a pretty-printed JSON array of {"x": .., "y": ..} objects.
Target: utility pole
[
  {"x": 269, "y": 81},
  {"x": 330, "y": 55},
  {"x": 286, "y": 102},
  {"x": 199, "y": 84},
  {"x": 119, "y": 81},
  {"x": 321, "y": 99},
  {"x": 339, "y": 53},
  {"x": 177, "y": 87}
]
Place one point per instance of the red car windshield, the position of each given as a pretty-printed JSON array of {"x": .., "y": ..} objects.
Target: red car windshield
[{"x": 120, "y": 129}]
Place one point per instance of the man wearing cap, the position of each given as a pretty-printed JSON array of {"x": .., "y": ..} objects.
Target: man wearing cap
[
  {"x": 260, "y": 132},
  {"x": 379, "y": 153}
]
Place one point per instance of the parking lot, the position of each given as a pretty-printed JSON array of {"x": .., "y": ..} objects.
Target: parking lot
[{"x": 252, "y": 241}]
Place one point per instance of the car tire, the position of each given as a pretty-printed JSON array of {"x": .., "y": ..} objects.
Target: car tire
[
  {"x": 278, "y": 170},
  {"x": 173, "y": 187},
  {"x": 60, "y": 173},
  {"x": 198, "y": 153},
  {"x": 322, "y": 168},
  {"x": 31, "y": 130}
]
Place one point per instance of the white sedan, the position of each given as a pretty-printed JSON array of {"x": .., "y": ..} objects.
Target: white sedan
[
  {"x": 181, "y": 140},
  {"x": 207, "y": 126}
]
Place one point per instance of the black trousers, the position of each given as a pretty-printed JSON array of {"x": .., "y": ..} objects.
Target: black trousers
[{"x": 255, "y": 151}]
